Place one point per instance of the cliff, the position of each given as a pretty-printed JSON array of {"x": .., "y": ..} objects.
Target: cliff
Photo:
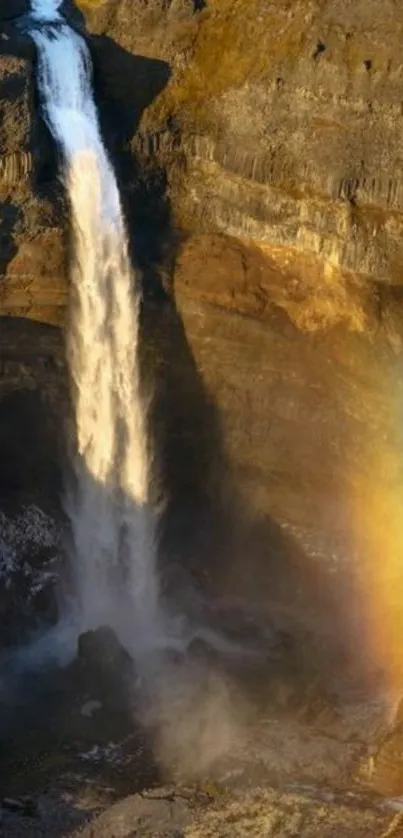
[
  {"x": 288, "y": 120},
  {"x": 277, "y": 126},
  {"x": 258, "y": 151},
  {"x": 258, "y": 148}
]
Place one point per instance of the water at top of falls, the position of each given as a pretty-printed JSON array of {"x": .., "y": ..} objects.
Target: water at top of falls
[
  {"x": 112, "y": 518},
  {"x": 46, "y": 10}
]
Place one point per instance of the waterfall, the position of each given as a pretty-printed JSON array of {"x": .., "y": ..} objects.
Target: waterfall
[
  {"x": 46, "y": 10},
  {"x": 112, "y": 518}
]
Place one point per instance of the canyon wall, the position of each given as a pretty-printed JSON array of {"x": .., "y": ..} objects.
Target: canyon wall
[
  {"x": 277, "y": 126},
  {"x": 258, "y": 149}
]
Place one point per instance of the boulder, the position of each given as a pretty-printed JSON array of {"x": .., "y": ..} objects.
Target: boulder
[{"x": 100, "y": 650}]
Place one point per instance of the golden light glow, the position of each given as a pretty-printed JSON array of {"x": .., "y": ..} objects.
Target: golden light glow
[{"x": 377, "y": 507}]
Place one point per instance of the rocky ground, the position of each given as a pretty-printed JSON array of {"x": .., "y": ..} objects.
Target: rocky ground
[{"x": 83, "y": 753}]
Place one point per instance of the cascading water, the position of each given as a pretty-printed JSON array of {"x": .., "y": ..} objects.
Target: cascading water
[
  {"x": 111, "y": 514},
  {"x": 46, "y": 10}
]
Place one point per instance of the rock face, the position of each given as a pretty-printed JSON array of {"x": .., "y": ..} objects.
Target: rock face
[
  {"x": 30, "y": 203},
  {"x": 30, "y": 562},
  {"x": 258, "y": 149},
  {"x": 295, "y": 142},
  {"x": 13, "y": 8},
  {"x": 33, "y": 401}
]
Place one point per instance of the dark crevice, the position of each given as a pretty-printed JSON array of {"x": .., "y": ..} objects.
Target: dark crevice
[
  {"x": 28, "y": 450},
  {"x": 10, "y": 215},
  {"x": 319, "y": 49},
  {"x": 143, "y": 188}
]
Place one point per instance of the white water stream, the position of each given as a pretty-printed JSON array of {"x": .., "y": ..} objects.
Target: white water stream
[
  {"x": 45, "y": 10},
  {"x": 111, "y": 514}
]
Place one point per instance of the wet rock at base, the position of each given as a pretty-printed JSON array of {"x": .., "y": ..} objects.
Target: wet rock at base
[
  {"x": 25, "y": 806},
  {"x": 104, "y": 671},
  {"x": 30, "y": 564},
  {"x": 100, "y": 650}
]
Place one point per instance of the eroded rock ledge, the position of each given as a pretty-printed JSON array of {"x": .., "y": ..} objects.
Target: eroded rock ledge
[{"x": 279, "y": 126}]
